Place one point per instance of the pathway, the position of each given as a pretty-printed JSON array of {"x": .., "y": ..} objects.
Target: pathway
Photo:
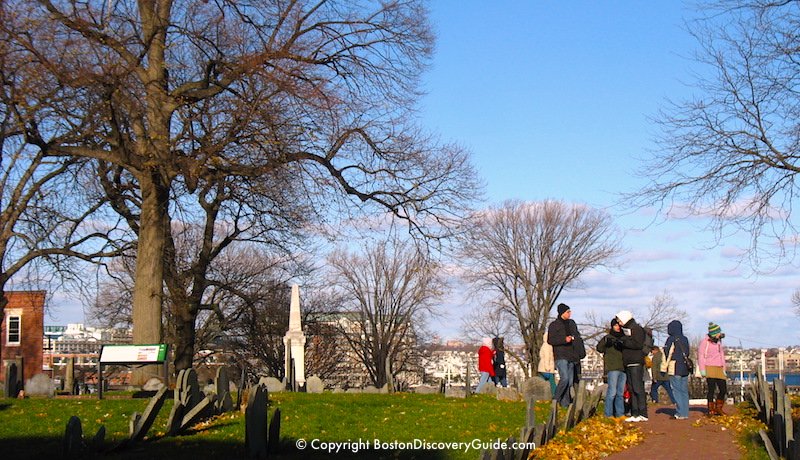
[{"x": 667, "y": 438}]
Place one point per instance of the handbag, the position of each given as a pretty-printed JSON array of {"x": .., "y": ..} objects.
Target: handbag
[{"x": 668, "y": 365}]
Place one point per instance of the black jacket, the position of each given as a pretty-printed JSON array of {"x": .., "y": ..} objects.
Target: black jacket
[
  {"x": 500, "y": 364},
  {"x": 557, "y": 334},
  {"x": 633, "y": 345},
  {"x": 679, "y": 341}
]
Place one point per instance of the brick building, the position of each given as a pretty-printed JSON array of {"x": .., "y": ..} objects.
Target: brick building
[{"x": 21, "y": 331}]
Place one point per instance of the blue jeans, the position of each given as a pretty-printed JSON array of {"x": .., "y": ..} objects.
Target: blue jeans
[
  {"x": 680, "y": 391},
  {"x": 615, "y": 394},
  {"x": 661, "y": 383},
  {"x": 566, "y": 375},
  {"x": 482, "y": 381}
]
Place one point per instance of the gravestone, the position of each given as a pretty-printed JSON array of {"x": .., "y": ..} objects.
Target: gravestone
[
  {"x": 223, "y": 389},
  {"x": 354, "y": 390},
  {"x": 272, "y": 384},
  {"x": 456, "y": 392},
  {"x": 426, "y": 390},
  {"x": 201, "y": 410},
  {"x": 255, "y": 423},
  {"x": 507, "y": 394},
  {"x": 69, "y": 378},
  {"x": 537, "y": 389},
  {"x": 12, "y": 381},
  {"x": 488, "y": 389},
  {"x": 274, "y": 436},
  {"x": 175, "y": 418},
  {"x": 73, "y": 439},
  {"x": 153, "y": 384},
  {"x": 337, "y": 390},
  {"x": 142, "y": 424},
  {"x": 369, "y": 389},
  {"x": 40, "y": 385},
  {"x": 314, "y": 384}
]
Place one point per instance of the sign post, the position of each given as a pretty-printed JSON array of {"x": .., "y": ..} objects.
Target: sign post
[{"x": 130, "y": 355}]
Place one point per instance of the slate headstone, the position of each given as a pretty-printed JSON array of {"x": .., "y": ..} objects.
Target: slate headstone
[
  {"x": 153, "y": 384},
  {"x": 274, "y": 436},
  {"x": 426, "y": 390},
  {"x": 537, "y": 389},
  {"x": 255, "y": 418},
  {"x": 507, "y": 394},
  {"x": 272, "y": 384},
  {"x": 149, "y": 415},
  {"x": 73, "y": 438},
  {"x": 314, "y": 384}
]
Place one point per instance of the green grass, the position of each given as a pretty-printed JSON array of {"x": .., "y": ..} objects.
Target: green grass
[{"x": 33, "y": 428}]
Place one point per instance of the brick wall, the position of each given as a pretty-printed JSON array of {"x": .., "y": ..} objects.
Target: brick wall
[{"x": 29, "y": 306}]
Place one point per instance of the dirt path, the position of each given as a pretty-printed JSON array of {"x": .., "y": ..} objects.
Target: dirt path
[{"x": 667, "y": 438}]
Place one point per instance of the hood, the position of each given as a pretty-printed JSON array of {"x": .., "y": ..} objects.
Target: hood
[
  {"x": 624, "y": 317},
  {"x": 675, "y": 328}
]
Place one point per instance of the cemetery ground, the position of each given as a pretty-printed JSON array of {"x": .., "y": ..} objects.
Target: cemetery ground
[{"x": 34, "y": 427}]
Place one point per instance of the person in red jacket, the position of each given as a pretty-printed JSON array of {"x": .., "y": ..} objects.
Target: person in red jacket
[{"x": 485, "y": 363}]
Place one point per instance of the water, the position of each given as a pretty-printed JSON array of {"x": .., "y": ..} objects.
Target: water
[{"x": 789, "y": 379}]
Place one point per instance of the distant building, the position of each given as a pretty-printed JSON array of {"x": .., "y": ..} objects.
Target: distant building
[
  {"x": 80, "y": 342},
  {"x": 21, "y": 331}
]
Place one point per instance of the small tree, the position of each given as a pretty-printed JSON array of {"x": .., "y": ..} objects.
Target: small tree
[
  {"x": 526, "y": 254},
  {"x": 388, "y": 288}
]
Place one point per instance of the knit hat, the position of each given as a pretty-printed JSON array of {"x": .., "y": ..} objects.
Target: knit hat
[
  {"x": 487, "y": 342},
  {"x": 714, "y": 329},
  {"x": 562, "y": 307},
  {"x": 624, "y": 316}
]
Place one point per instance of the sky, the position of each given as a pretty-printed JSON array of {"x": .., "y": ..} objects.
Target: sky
[{"x": 555, "y": 101}]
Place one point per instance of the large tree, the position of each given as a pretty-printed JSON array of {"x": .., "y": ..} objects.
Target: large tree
[
  {"x": 526, "y": 254},
  {"x": 732, "y": 151},
  {"x": 324, "y": 88},
  {"x": 388, "y": 290}
]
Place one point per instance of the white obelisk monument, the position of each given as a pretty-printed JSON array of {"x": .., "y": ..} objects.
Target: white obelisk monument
[{"x": 295, "y": 340}]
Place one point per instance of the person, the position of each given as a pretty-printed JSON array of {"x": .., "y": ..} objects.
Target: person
[
  {"x": 659, "y": 379},
  {"x": 711, "y": 360},
  {"x": 611, "y": 348},
  {"x": 676, "y": 349},
  {"x": 568, "y": 350},
  {"x": 485, "y": 365},
  {"x": 500, "y": 376},
  {"x": 633, "y": 359},
  {"x": 547, "y": 364}
]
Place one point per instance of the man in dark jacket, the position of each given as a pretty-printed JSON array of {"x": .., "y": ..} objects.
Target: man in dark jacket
[
  {"x": 568, "y": 350},
  {"x": 633, "y": 359}
]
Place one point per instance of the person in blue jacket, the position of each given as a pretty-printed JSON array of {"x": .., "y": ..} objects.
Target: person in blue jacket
[{"x": 677, "y": 349}]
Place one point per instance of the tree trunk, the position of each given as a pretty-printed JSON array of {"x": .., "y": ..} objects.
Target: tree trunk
[
  {"x": 149, "y": 278},
  {"x": 184, "y": 340}
]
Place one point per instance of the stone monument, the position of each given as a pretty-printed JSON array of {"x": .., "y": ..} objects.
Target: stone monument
[{"x": 295, "y": 341}]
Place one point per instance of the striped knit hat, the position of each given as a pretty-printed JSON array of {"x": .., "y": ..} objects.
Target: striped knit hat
[{"x": 714, "y": 329}]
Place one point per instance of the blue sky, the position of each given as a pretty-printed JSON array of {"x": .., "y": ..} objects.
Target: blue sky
[{"x": 554, "y": 99}]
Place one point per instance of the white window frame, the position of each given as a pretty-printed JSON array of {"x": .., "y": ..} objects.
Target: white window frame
[{"x": 19, "y": 330}]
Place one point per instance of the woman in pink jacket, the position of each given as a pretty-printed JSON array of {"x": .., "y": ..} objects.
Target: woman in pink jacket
[{"x": 711, "y": 360}]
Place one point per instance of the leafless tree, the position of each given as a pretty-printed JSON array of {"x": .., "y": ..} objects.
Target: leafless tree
[
  {"x": 388, "y": 291},
  {"x": 528, "y": 253},
  {"x": 796, "y": 301},
  {"x": 662, "y": 310},
  {"x": 732, "y": 151},
  {"x": 325, "y": 88}
]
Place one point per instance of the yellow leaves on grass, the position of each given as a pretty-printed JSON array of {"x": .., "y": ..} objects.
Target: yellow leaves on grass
[{"x": 591, "y": 439}]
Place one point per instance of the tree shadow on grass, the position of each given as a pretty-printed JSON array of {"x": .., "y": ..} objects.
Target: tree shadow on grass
[{"x": 4, "y": 406}]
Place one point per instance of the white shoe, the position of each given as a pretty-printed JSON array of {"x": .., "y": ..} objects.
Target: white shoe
[
  {"x": 642, "y": 418},
  {"x": 632, "y": 419},
  {"x": 678, "y": 417}
]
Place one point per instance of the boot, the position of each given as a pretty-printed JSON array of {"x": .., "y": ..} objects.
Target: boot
[
  {"x": 718, "y": 407},
  {"x": 711, "y": 409}
]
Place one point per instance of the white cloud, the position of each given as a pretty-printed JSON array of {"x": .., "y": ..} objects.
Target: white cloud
[{"x": 717, "y": 312}]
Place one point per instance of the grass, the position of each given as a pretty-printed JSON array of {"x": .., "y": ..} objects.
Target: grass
[{"x": 33, "y": 428}]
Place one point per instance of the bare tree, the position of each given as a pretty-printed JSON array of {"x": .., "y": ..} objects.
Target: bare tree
[
  {"x": 796, "y": 301},
  {"x": 662, "y": 310},
  {"x": 388, "y": 290},
  {"x": 323, "y": 87},
  {"x": 732, "y": 152},
  {"x": 528, "y": 253}
]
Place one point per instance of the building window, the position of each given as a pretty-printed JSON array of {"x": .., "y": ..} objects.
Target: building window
[{"x": 14, "y": 328}]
